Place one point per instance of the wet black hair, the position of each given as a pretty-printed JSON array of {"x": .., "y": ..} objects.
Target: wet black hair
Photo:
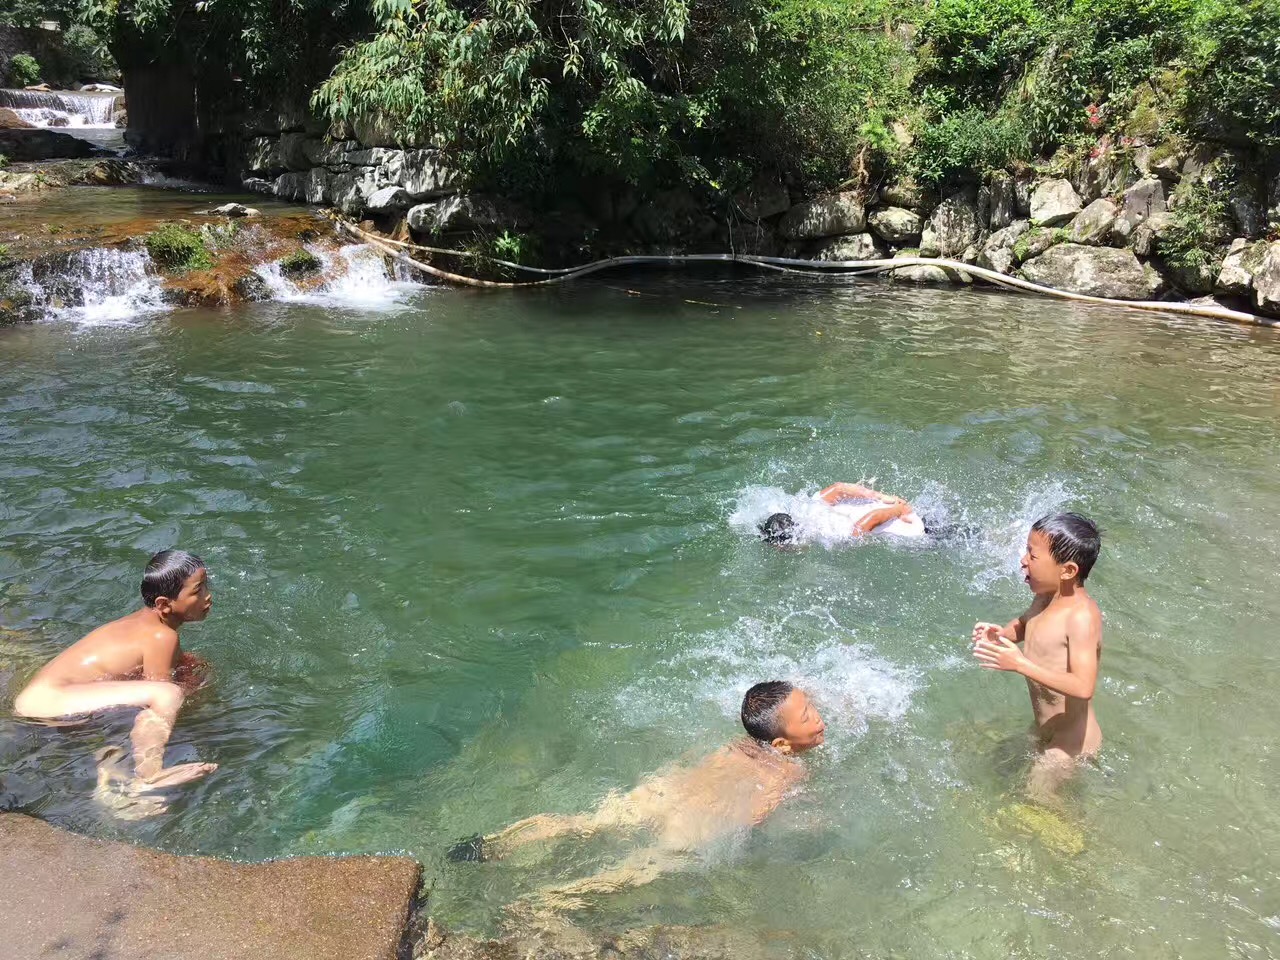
[
  {"x": 760, "y": 709},
  {"x": 166, "y": 572},
  {"x": 779, "y": 528},
  {"x": 1072, "y": 538}
]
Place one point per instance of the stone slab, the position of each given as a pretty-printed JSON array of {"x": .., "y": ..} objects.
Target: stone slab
[{"x": 74, "y": 898}]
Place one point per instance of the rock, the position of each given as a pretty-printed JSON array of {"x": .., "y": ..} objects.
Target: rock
[
  {"x": 905, "y": 193},
  {"x": 465, "y": 212},
  {"x": 858, "y": 246},
  {"x": 896, "y": 225},
  {"x": 1144, "y": 199},
  {"x": 293, "y": 152},
  {"x": 9, "y": 120},
  {"x": 121, "y": 119},
  {"x": 1093, "y": 225},
  {"x": 997, "y": 253},
  {"x": 1004, "y": 200},
  {"x": 1145, "y": 240},
  {"x": 1248, "y": 211},
  {"x": 764, "y": 198},
  {"x": 1022, "y": 197},
  {"x": 262, "y": 155},
  {"x": 234, "y": 210},
  {"x": 1194, "y": 279},
  {"x": 1266, "y": 281},
  {"x": 42, "y": 145},
  {"x": 258, "y": 185},
  {"x": 1234, "y": 279},
  {"x": 753, "y": 239},
  {"x": 39, "y": 88},
  {"x": 951, "y": 228},
  {"x": 1036, "y": 241},
  {"x": 314, "y": 186},
  {"x": 251, "y": 288},
  {"x": 350, "y": 192},
  {"x": 420, "y": 172},
  {"x": 831, "y": 216},
  {"x": 1095, "y": 271},
  {"x": 99, "y": 88},
  {"x": 670, "y": 218},
  {"x": 926, "y": 273},
  {"x": 1053, "y": 203},
  {"x": 326, "y": 153},
  {"x": 389, "y": 198},
  {"x": 373, "y": 157}
]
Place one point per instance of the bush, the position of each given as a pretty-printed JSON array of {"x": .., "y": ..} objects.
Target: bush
[
  {"x": 966, "y": 143},
  {"x": 1233, "y": 91},
  {"x": 177, "y": 247},
  {"x": 85, "y": 56},
  {"x": 1199, "y": 227},
  {"x": 24, "y": 70}
]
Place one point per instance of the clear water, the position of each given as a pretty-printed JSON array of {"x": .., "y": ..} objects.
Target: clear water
[{"x": 477, "y": 556}]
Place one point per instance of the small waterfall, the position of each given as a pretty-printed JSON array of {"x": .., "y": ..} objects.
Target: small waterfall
[
  {"x": 354, "y": 276},
  {"x": 96, "y": 286},
  {"x": 61, "y": 108}
]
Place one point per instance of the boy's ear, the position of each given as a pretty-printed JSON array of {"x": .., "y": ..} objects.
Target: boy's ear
[
  {"x": 1070, "y": 570},
  {"x": 163, "y": 605},
  {"x": 781, "y": 744}
]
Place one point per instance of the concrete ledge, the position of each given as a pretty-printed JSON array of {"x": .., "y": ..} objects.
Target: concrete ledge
[{"x": 72, "y": 898}]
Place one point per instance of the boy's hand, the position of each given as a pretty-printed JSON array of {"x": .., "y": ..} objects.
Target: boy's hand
[
  {"x": 999, "y": 654},
  {"x": 986, "y": 631}
]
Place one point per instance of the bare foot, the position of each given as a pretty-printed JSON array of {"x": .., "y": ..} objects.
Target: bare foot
[
  {"x": 114, "y": 790},
  {"x": 173, "y": 776}
]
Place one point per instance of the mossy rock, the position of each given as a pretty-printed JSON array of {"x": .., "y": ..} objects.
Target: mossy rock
[
  {"x": 178, "y": 248},
  {"x": 299, "y": 262}
]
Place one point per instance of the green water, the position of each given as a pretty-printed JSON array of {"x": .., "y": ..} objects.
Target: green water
[{"x": 480, "y": 556}]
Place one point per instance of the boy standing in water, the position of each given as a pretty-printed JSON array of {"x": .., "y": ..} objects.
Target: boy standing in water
[
  {"x": 131, "y": 662},
  {"x": 1061, "y": 633}
]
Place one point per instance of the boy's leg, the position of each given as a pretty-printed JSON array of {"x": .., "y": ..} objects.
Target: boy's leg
[
  {"x": 638, "y": 868},
  {"x": 1049, "y": 772},
  {"x": 614, "y": 811},
  {"x": 159, "y": 702}
]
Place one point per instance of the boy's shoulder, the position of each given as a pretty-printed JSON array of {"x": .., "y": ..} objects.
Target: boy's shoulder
[
  {"x": 134, "y": 627},
  {"x": 1084, "y": 610}
]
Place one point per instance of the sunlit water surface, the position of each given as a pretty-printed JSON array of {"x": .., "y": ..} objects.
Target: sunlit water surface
[{"x": 477, "y": 556}]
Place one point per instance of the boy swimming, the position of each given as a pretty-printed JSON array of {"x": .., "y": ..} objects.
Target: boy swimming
[
  {"x": 684, "y": 809},
  {"x": 131, "y": 662},
  {"x": 1061, "y": 634},
  {"x": 867, "y": 511}
]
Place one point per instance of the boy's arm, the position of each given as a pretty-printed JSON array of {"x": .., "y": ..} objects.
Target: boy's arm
[
  {"x": 853, "y": 491},
  {"x": 160, "y": 655},
  {"x": 1015, "y": 629},
  {"x": 874, "y": 518},
  {"x": 1084, "y": 635}
]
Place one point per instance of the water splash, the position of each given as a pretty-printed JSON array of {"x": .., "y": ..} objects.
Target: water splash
[
  {"x": 61, "y": 108},
  {"x": 355, "y": 277},
  {"x": 95, "y": 287}
]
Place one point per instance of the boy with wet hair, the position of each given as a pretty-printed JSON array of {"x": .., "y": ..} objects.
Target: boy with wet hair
[
  {"x": 131, "y": 662},
  {"x": 1061, "y": 637},
  {"x": 683, "y": 809},
  {"x": 878, "y": 511}
]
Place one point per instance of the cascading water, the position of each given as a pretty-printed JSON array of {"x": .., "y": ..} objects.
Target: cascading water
[
  {"x": 96, "y": 286},
  {"x": 355, "y": 276},
  {"x": 61, "y": 108}
]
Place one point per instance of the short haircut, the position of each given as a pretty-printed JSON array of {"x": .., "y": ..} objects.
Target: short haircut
[
  {"x": 1072, "y": 538},
  {"x": 760, "y": 709},
  {"x": 166, "y": 572},
  {"x": 779, "y": 528}
]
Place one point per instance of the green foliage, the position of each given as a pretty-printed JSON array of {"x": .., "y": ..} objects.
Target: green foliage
[
  {"x": 966, "y": 142},
  {"x": 978, "y": 45},
  {"x": 1233, "y": 91},
  {"x": 299, "y": 262},
  {"x": 86, "y": 55},
  {"x": 1199, "y": 227},
  {"x": 28, "y": 13},
  {"x": 4, "y": 161},
  {"x": 23, "y": 70},
  {"x": 516, "y": 247},
  {"x": 178, "y": 248}
]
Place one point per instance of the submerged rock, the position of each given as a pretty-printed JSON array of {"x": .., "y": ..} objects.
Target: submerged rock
[
  {"x": 859, "y": 246},
  {"x": 1095, "y": 271}
]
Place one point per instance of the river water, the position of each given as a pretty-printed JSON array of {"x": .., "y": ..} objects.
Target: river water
[{"x": 481, "y": 555}]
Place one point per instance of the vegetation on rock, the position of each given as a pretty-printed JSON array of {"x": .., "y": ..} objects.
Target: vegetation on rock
[
  {"x": 24, "y": 70},
  {"x": 177, "y": 247},
  {"x": 299, "y": 262}
]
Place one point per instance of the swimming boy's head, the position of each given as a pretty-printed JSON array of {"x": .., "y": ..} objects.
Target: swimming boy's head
[
  {"x": 1061, "y": 548},
  {"x": 176, "y": 585},
  {"x": 783, "y": 716},
  {"x": 779, "y": 528}
]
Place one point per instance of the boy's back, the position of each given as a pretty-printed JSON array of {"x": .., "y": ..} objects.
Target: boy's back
[{"x": 132, "y": 646}]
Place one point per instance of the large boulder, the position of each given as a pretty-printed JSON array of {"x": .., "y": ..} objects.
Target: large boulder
[
  {"x": 43, "y": 145},
  {"x": 1094, "y": 223},
  {"x": 420, "y": 172},
  {"x": 262, "y": 156},
  {"x": 293, "y": 152},
  {"x": 1004, "y": 200},
  {"x": 452, "y": 214},
  {"x": 859, "y": 246},
  {"x": 1053, "y": 203},
  {"x": 388, "y": 199},
  {"x": 833, "y": 216},
  {"x": 1266, "y": 281},
  {"x": 9, "y": 120},
  {"x": 1145, "y": 240},
  {"x": 313, "y": 186},
  {"x": 350, "y": 192},
  {"x": 926, "y": 273},
  {"x": 1141, "y": 201},
  {"x": 907, "y": 193},
  {"x": 1235, "y": 279},
  {"x": 997, "y": 253},
  {"x": 896, "y": 225},
  {"x": 764, "y": 198},
  {"x": 1036, "y": 241},
  {"x": 327, "y": 153},
  {"x": 951, "y": 228},
  {"x": 1095, "y": 271}
]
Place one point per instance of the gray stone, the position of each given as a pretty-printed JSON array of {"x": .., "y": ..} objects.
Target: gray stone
[
  {"x": 325, "y": 153},
  {"x": 764, "y": 198},
  {"x": 1093, "y": 225},
  {"x": 1266, "y": 281},
  {"x": 1248, "y": 212},
  {"x": 1004, "y": 200},
  {"x": 752, "y": 239},
  {"x": 257, "y": 185},
  {"x": 926, "y": 273},
  {"x": 314, "y": 186},
  {"x": 262, "y": 155},
  {"x": 1035, "y": 242},
  {"x": 1141, "y": 201},
  {"x": 1194, "y": 279},
  {"x": 833, "y": 216},
  {"x": 951, "y": 228},
  {"x": 386, "y": 199},
  {"x": 350, "y": 192},
  {"x": 896, "y": 225},
  {"x": 1234, "y": 279},
  {"x": 293, "y": 152},
  {"x": 465, "y": 212},
  {"x": 1145, "y": 240},
  {"x": 371, "y": 156},
  {"x": 1095, "y": 271},
  {"x": 423, "y": 175},
  {"x": 1053, "y": 203},
  {"x": 859, "y": 246},
  {"x": 997, "y": 252},
  {"x": 1022, "y": 197},
  {"x": 905, "y": 193},
  {"x": 234, "y": 210}
]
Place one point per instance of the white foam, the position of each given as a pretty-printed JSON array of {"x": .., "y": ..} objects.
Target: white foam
[
  {"x": 355, "y": 277},
  {"x": 816, "y": 521},
  {"x": 98, "y": 287}
]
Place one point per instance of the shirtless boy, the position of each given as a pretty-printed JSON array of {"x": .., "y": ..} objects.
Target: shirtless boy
[
  {"x": 780, "y": 527},
  {"x": 131, "y": 662},
  {"x": 1061, "y": 634},
  {"x": 684, "y": 809}
]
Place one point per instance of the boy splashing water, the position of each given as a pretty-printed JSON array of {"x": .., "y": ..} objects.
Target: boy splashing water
[
  {"x": 1061, "y": 634},
  {"x": 131, "y": 662}
]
